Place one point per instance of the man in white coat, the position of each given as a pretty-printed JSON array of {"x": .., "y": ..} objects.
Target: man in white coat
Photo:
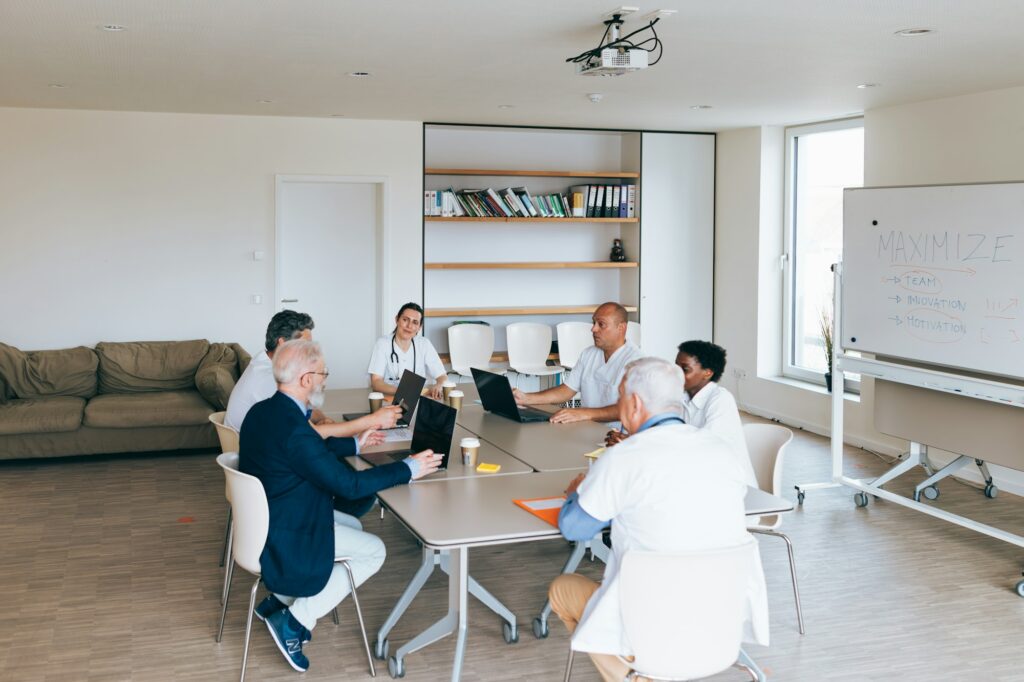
[{"x": 670, "y": 487}]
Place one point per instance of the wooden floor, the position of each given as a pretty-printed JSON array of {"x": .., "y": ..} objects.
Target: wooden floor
[{"x": 108, "y": 571}]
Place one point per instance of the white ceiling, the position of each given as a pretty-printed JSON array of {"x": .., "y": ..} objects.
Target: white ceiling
[{"x": 755, "y": 61}]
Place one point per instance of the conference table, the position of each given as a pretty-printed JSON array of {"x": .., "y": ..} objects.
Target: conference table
[{"x": 453, "y": 511}]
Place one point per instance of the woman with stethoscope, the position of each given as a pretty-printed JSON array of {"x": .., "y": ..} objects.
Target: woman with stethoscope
[{"x": 404, "y": 349}]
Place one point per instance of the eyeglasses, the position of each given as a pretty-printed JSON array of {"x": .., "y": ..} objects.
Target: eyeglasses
[{"x": 324, "y": 374}]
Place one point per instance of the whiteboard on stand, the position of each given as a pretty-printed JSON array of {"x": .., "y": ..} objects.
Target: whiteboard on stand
[{"x": 935, "y": 274}]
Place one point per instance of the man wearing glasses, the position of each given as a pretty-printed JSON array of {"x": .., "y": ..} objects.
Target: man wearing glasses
[{"x": 302, "y": 473}]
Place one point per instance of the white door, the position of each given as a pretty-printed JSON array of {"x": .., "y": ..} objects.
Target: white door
[{"x": 327, "y": 266}]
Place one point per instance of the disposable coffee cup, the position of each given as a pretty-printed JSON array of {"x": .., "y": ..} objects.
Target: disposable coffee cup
[
  {"x": 376, "y": 400},
  {"x": 455, "y": 399},
  {"x": 447, "y": 387},
  {"x": 470, "y": 450}
]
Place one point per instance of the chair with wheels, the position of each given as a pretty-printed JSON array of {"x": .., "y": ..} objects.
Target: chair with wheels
[
  {"x": 250, "y": 524},
  {"x": 710, "y": 588},
  {"x": 573, "y": 337},
  {"x": 767, "y": 444},
  {"x": 633, "y": 332},
  {"x": 529, "y": 344},
  {"x": 470, "y": 345}
]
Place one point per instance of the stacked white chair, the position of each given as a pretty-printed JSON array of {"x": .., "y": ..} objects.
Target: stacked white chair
[
  {"x": 573, "y": 337},
  {"x": 633, "y": 332},
  {"x": 470, "y": 345},
  {"x": 529, "y": 344}
]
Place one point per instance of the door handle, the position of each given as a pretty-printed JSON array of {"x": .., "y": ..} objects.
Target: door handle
[{"x": 289, "y": 300}]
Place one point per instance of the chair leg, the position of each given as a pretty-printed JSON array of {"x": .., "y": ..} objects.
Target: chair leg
[
  {"x": 227, "y": 571},
  {"x": 568, "y": 665},
  {"x": 248, "y": 627},
  {"x": 224, "y": 600},
  {"x": 746, "y": 662},
  {"x": 227, "y": 537},
  {"x": 334, "y": 616},
  {"x": 359, "y": 615},
  {"x": 792, "y": 572}
]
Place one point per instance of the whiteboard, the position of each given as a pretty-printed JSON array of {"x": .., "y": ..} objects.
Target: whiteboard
[{"x": 936, "y": 274}]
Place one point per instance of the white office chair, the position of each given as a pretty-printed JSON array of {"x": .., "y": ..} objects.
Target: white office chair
[
  {"x": 228, "y": 438},
  {"x": 633, "y": 332},
  {"x": 529, "y": 344},
  {"x": 470, "y": 345},
  {"x": 573, "y": 337},
  {"x": 684, "y": 613},
  {"x": 250, "y": 524},
  {"x": 767, "y": 444}
]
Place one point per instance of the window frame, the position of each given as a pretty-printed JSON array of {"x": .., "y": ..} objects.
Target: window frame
[{"x": 789, "y": 255}]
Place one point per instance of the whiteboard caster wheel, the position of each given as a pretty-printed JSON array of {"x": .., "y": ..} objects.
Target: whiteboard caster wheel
[
  {"x": 991, "y": 491},
  {"x": 1020, "y": 589},
  {"x": 510, "y": 633},
  {"x": 860, "y": 499},
  {"x": 380, "y": 649},
  {"x": 540, "y": 628},
  {"x": 931, "y": 492},
  {"x": 396, "y": 668}
]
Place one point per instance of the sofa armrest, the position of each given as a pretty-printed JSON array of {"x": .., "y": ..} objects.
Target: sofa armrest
[{"x": 215, "y": 383}]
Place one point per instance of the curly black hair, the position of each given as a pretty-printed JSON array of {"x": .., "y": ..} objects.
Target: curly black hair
[
  {"x": 709, "y": 355},
  {"x": 286, "y": 325}
]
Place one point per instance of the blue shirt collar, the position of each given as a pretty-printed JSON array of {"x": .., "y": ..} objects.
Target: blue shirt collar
[
  {"x": 301, "y": 405},
  {"x": 658, "y": 419}
]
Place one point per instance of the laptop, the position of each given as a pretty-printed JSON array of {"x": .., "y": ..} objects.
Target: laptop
[
  {"x": 409, "y": 389},
  {"x": 434, "y": 430},
  {"x": 496, "y": 396}
]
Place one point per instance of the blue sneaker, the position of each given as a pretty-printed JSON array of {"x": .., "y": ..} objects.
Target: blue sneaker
[
  {"x": 287, "y": 633},
  {"x": 272, "y": 605}
]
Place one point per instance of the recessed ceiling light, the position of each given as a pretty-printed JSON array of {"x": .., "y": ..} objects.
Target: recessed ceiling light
[
  {"x": 506, "y": 106},
  {"x": 914, "y": 32},
  {"x": 113, "y": 28},
  {"x": 57, "y": 85},
  {"x": 865, "y": 86},
  {"x": 360, "y": 74},
  {"x": 337, "y": 115},
  {"x": 264, "y": 101},
  {"x": 700, "y": 106}
]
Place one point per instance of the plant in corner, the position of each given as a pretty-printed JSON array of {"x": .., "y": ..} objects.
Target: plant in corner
[{"x": 825, "y": 325}]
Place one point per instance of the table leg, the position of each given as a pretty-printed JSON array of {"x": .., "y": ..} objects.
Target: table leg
[
  {"x": 540, "y": 623},
  {"x": 485, "y": 597},
  {"x": 380, "y": 647}
]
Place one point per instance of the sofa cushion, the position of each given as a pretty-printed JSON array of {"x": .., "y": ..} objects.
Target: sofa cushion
[
  {"x": 52, "y": 414},
  {"x": 147, "y": 366},
  {"x": 215, "y": 383},
  {"x": 165, "y": 408},
  {"x": 42, "y": 373}
]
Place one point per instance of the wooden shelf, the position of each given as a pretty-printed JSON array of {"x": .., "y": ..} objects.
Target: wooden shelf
[
  {"x": 570, "y": 265},
  {"x": 525, "y": 310},
  {"x": 530, "y": 173},
  {"x": 470, "y": 219}
]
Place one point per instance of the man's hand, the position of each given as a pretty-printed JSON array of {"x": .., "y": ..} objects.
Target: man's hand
[
  {"x": 574, "y": 484},
  {"x": 370, "y": 437},
  {"x": 613, "y": 437},
  {"x": 520, "y": 397},
  {"x": 436, "y": 392},
  {"x": 386, "y": 417},
  {"x": 427, "y": 463},
  {"x": 569, "y": 415}
]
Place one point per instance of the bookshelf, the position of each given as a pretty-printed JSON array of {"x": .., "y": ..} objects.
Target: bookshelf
[
  {"x": 538, "y": 265},
  {"x": 466, "y": 219},
  {"x": 519, "y": 310},
  {"x": 532, "y": 173}
]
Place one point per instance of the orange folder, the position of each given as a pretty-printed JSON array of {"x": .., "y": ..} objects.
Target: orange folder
[{"x": 545, "y": 508}]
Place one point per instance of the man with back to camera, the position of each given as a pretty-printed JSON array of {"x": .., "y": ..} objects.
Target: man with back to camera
[
  {"x": 257, "y": 383},
  {"x": 597, "y": 373},
  {"x": 670, "y": 487},
  {"x": 302, "y": 472}
]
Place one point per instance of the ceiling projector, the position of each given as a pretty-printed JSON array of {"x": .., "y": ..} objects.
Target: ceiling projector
[
  {"x": 613, "y": 62},
  {"x": 620, "y": 55}
]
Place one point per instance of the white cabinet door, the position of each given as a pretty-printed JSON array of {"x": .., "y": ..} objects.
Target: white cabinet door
[{"x": 677, "y": 248}]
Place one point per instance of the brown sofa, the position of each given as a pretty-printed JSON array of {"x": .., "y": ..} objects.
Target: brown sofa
[{"x": 118, "y": 397}]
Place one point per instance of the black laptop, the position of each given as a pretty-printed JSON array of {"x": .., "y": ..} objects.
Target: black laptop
[
  {"x": 434, "y": 430},
  {"x": 496, "y": 396},
  {"x": 409, "y": 389}
]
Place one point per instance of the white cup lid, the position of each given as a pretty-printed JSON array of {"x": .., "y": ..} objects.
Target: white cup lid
[
  {"x": 457, "y": 394},
  {"x": 449, "y": 384},
  {"x": 376, "y": 396},
  {"x": 469, "y": 443}
]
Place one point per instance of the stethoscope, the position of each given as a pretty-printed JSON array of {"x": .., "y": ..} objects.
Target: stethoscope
[{"x": 394, "y": 355}]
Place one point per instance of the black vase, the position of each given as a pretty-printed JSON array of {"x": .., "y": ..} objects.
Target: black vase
[{"x": 828, "y": 381}]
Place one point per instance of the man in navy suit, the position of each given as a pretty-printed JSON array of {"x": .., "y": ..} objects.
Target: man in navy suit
[{"x": 302, "y": 473}]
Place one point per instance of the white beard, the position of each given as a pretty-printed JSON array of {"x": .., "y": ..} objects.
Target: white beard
[{"x": 316, "y": 401}]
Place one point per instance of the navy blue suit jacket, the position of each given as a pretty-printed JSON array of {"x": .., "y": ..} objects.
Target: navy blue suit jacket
[{"x": 302, "y": 473}]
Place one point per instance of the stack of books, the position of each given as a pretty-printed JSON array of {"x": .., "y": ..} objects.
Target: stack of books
[{"x": 580, "y": 201}]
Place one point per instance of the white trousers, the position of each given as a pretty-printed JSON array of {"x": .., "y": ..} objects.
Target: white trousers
[{"x": 366, "y": 553}]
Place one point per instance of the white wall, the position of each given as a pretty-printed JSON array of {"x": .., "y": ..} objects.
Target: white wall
[
  {"x": 972, "y": 138},
  {"x": 128, "y": 226}
]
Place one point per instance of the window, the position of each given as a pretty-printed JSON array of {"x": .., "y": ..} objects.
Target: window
[{"x": 821, "y": 160}]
